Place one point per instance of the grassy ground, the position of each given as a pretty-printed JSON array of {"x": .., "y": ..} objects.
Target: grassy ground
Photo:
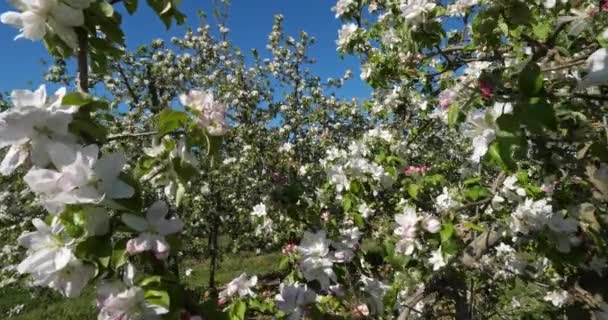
[{"x": 41, "y": 304}]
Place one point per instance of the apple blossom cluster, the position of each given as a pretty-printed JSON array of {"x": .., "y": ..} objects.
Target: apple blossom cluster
[
  {"x": 69, "y": 181},
  {"x": 408, "y": 223},
  {"x": 212, "y": 113},
  {"x": 415, "y": 11},
  {"x": 503, "y": 100},
  {"x": 343, "y": 166},
  {"x": 37, "y": 18},
  {"x": 482, "y": 129},
  {"x": 292, "y": 299},
  {"x": 240, "y": 286}
]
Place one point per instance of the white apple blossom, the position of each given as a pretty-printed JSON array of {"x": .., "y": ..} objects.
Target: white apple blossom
[
  {"x": 37, "y": 17},
  {"x": 119, "y": 302},
  {"x": 259, "y": 210},
  {"x": 344, "y": 249},
  {"x": 212, "y": 113},
  {"x": 293, "y": 298},
  {"x": 550, "y": 4},
  {"x": 345, "y": 35},
  {"x": 365, "y": 210},
  {"x": 152, "y": 230},
  {"x": 445, "y": 202},
  {"x": 69, "y": 281},
  {"x": 375, "y": 291},
  {"x": 437, "y": 259},
  {"x": 446, "y": 97},
  {"x": 286, "y": 147},
  {"x": 49, "y": 248},
  {"x": 338, "y": 178},
  {"x": 379, "y": 133},
  {"x": 406, "y": 230},
  {"x": 240, "y": 285},
  {"x": 531, "y": 215},
  {"x": 431, "y": 224},
  {"x": 316, "y": 261},
  {"x": 510, "y": 188},
  {"x": 414, "y": 11},
  {"x": 51, "y": 261},
  {"x": 31, "y": 125},
  {"x": 481, "y": 127},
  {"x": 342, "y": 7},
  {"x": 265, "y": 227},
  {"x": 557, "y": 297},
  {"x": 81, "y": 177},
  {"x": 597, "y": 65},
  {"x": 460, "y": 7}
]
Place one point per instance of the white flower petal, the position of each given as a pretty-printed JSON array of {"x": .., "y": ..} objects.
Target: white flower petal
[
  {"x": 13, "y": 18},
  {"x": 15, "y": 157},
  {"x": 157, "y": 212},
  {"x": 34, "y": 26},
  {"x": 134, "y": 222}
]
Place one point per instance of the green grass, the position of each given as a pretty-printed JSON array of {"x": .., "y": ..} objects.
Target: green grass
[
  {"x": 232, "y": 267},
  {"x": 44, "y": 305},
  {"x": 47, "y": 305}
]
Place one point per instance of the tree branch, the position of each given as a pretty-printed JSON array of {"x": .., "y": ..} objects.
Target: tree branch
[
  {"x": 83, "y": 63},
  {"x": 570, "y": 64},
  {"x": 127, "y": 84},
  {"x": 132, "y": 135}
]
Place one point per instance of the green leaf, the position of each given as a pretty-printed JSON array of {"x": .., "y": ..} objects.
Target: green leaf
[
  {"x": 477, "y": 193},
  {"x": 97, "y": 249},
  {"x": 518, "y": 13},
  {"x": 471, "y": 225},
  {"x": 119, "y": 254},
  {"x": 158, "y": 297},
  {"x": 347, "y": 202},
  {"x": 152, "y": 280},
  {"x": 536, "y": 114},
  {"x": 413, "y": 190},
  {"x": 170, "y": 120},
  {"x": 237, "y": 310},
  {"x": 106, "y": 9},
  {"x": 76, "y": 99},
  {"x": 472, "y": 181},
  {"x": 74, "y": 221},
  {"x": 500, "y": 153},
  {"x": 453, "y": 113},
  {"x": 83, "y": 125},
  {"x": 284, "y": 263},
  {"x": 531, "y": 80},
  {"x": 447, "y": 230},
  {"x": 542, "y": 30}
]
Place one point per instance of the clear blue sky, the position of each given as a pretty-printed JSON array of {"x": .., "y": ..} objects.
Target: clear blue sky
[{"x": 250, "y": 21}]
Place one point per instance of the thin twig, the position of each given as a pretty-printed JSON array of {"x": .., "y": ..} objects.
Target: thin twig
[
  {"x": 132, "y": 135},
  {"x": 127, "y": 84},
  {"x": 570, "y": 64}
]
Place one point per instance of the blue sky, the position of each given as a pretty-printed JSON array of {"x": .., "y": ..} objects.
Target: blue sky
[{"x": 250, "y": 21}]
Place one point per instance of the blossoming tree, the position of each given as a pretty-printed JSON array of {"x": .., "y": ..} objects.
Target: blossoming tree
[{"x": 473, "y": 183}]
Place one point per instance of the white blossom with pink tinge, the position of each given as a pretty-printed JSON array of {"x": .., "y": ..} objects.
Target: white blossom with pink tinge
[{"x": 152, "y": 230}]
